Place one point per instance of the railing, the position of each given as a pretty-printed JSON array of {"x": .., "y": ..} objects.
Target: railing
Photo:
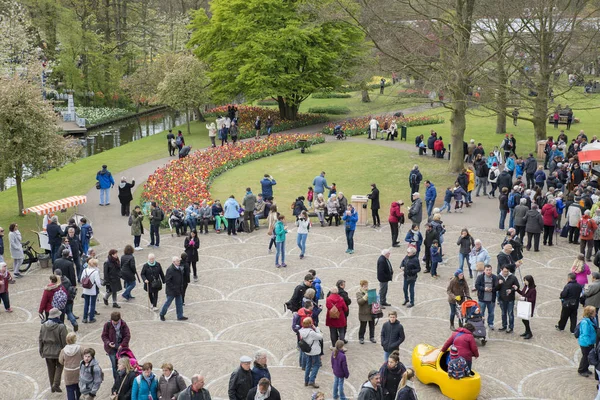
[{"x": 72, "y": 117}]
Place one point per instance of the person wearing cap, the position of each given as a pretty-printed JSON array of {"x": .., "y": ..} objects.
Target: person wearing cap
[
  {"x": 105, "y": 183},
  {"x": 505, "y": 259},
  {"x": 240, "y": 381},
  {"x": 464, "y": 342},
  {"x": 415, "y": 212},
  {"x": 534, "y": 227},
  {"x": 371, "y": 389},
  {"x": 125, "y": 195},
  {"x": 53, "y": 338}
]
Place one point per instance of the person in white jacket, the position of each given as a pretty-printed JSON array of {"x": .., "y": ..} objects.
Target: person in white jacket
[
  {"x": 478, "y": 255},
  {"x": 573, "y": 217},
  {"x": 493, "y": 179},
  {"x": 313, "y": 336},
  {"x": 303, "y": 223},
  {"x": 92, "y": 274},
  {"x": 373, "y": 125},
  {"x": 212, "y": 133}
]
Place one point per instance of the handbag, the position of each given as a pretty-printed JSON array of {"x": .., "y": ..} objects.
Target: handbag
[
  {"x": 98, "y": 185},
  {"x": 116, "y": 396},
  {"x": 565, "y": 231},
  {"x": 156, "y": 285},
  {"x": 480, "y": 266},
  {"x": 524, "y": 310}
]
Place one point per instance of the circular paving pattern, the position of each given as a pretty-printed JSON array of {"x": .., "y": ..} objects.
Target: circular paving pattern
[{"x": 236, "y": 308}]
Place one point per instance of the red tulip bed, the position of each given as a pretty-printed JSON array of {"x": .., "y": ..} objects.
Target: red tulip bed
[
  {"x": 247, "y": 116},
  {"x": 359, "y": 126},
  {"x": 184, "y": 181}
]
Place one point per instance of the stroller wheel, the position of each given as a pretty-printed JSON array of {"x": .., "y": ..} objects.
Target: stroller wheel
[{"x": 483, "y": 342}]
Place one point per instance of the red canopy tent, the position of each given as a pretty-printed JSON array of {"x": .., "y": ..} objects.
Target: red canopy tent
[{"x": 590, "y": 153}]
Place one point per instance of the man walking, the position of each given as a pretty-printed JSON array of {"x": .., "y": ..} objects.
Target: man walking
[
  {"x": 487, "y": 286},
  {"x": 385, "y": 274},
  {"x": 171, "y": 143},
  {"x": 430, "y": 196},
  {"x": 53, "y": 338},
  {"x": 174, "y": 281},
  {"x": 507, "y": 287},
  {"x": 392, "y": 335},
  {"x": 156, "y": 217},
  {"x": 414, "y": 179},
  {"x": 569, "y": 298},
  {"x": 249, "y": 203},
  {"x": 105, "y": 183}
]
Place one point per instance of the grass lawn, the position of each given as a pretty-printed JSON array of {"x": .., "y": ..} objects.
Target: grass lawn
[
  {"x": 352, "y": 166},
  {"x": 78, "y": 178}
]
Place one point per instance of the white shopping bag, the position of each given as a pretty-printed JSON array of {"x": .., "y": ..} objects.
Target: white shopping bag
[{"x": 524, "y": 310}]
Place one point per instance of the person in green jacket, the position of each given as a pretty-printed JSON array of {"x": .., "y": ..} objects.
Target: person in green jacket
[
  {"x": 280, "y": 232},
  {"x": 137, "y": 229}
]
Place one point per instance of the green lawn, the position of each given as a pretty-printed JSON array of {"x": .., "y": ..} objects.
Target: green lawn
[{"x": 352, "y": 166}]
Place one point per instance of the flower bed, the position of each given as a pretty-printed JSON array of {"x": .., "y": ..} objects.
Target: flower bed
[
  {"x": 337, "y": 110},
  {"x": 358, "y": 126},
  {"x": 184, "y": 181},
  {"x": 331, "y": 95},
  {"x": 247, "y": 116},
  {"x": 94, "y": 115}
]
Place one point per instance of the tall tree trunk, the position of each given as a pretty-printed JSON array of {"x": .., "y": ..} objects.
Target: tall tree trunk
[
  {"x": 458, "y": 124},
  {"x": 19, "y": 179},
  {"x": 286, "y": 110},
  {"x": 199, "y": 114},
  {"x": 187, "y": 116},
  {"x": 364, "y": 91},
  {"x": 501, "y": 98}
]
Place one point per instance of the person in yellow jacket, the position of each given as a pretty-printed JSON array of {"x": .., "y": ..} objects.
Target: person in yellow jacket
[{"x": 471, "y": 185}]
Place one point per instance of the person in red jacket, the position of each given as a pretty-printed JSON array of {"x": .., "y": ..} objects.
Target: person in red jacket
[
  {"x": 587, "y": 227},
  {"x": 464, "y": 341},
  {"x": 396, "y": 215},
  {"x": 49, "y": 290},
  {"x": 549, "y": 215},
  {"x": 336, "y": 321},
  {"x": 438, "y": 147}
]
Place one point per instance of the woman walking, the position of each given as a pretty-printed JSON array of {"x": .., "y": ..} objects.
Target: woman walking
[
  {"x": 112, "y": 277},
  {"x": 581, "y": 270},
  {"x": 466, "y": 243},
  {"x": 339, "y": 364},
  {"x": 153, "y": 277},
  {"x": 16, "y": 248},
  {"x": 191, "y": 245},
  {"x": 271, "y": 221},
  {"x": 280, "y": 233},
  {"x": 528, "y": 293},
  {"x": 320, "y": 205},
  {"x": 137, "y": 229},
  {"x": 125, "y": 376},
  {"x": 311, "y": 335},
  {"x": 364, "y": 313},
  {"x": 5, "y": 280},
  {"x": 128, "y": 272},
  {"x": 587, "y": 338},
  {"x": 391, "y": 373},
  {"x": 395, "y": 218},
  {"x": 91, "y": 282},
  {"x": 303, "y": 223},
  {"x": 350, "y": 218},
  {"x": 70, "y": 358}
]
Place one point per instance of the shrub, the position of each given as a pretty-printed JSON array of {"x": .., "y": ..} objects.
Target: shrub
[
  {"x": 267, "y": 102},
  {"x": 358, "y": 126},
  {"x": 336, "y": 110},
  {"x": 331, "y": 95}
]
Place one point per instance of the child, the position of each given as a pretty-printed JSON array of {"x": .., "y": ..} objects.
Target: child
[
  {"x": 90, "y": 375},
  {"x": 459, "y": 195},
  {"x": 309, "y": 196},
  {"x": 5, "y": 279},
  {"x": 447, "y": 199},
  {"x": 340, "y": 370},
  {"x": 436, "y": 257},
  {"x": 519, "y": 167},
  {"x": 414, "y": 238},
  {"x": 332, "y": 190}
]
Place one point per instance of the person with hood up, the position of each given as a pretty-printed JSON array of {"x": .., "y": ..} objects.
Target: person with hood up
[
  {"x": 145, "y": 386},
  {"x": 263, "y": 391},
  {"x": 125, "y": 195},
  {"x": 350, "y": 218},
  {"x": 457, "y": 290},
  {"x": 396, "y": 215},
  {"x": 390, "y": 375},
  {"x": 90, "y": 375},
  {"x": 371, "y": 389},
  {"x": 105, "y": 183},
  {"x": 260, "y": 369},
  {"x": 464, "y": 342},
  {"x": 335, "y": 317},
  {"x": 170, "y": 383},
  {"x": 53, "y": 338},
  {"x": 70, "y": 358}
]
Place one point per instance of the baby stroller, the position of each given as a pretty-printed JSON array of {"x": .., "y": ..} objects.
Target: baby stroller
[
  {"x": 471, "y": 312},
  {"x": 339, "y": 133},
  {"x": 126, "y": 352}
]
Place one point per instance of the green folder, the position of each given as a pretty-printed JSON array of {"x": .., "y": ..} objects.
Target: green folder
[{"x": 372, "y": 293}]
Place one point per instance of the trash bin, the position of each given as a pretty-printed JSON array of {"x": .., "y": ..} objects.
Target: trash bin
[
  {"x": 360, "y": 205},
  {"x": 403, "y": 130},
  {"x": 44, "y": 260},
  {"x": 541, "y": 145}
]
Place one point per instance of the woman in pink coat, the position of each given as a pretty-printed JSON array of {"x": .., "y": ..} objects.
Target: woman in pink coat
[{"x": 581, "y": 270}]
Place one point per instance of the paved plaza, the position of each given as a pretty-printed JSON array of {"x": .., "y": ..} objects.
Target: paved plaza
[{"x": 236, "y": 308}]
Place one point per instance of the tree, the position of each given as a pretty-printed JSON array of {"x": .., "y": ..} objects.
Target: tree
[
  {"x": 272, "y": 48},
  {"x": 186, "y": 86},
  {"x": 16, "y": 48},
  {"x": 29, "y": 143}
]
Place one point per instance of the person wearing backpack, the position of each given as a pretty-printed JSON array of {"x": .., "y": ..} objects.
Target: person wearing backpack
[
  {"x": 464, "y": 342},
  {"x": 587, "y": 226},
  {"x": 91, "y": 282},
  {"x": 415, "y": 178},
  {"x": 587, "y": 338},
  {"x": 52, "y": 339},
  {"x": 493, "y": 178},
  {"x": 569, "y": 298},
  {"x": 156, "y": 217},
  {"x": 335, "y": 318},
  {"x": 71, "y": 293},
  {"x": 125, "y": 195},
  {"x": 145, "y": 386},
  {"x": 313, "y": 337},
  {"x": 46, "y": 303}
]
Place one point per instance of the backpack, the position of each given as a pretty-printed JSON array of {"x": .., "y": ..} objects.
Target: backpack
[
  {"x": 577, "y": 332},
  {"x": 334, "y": 313},
  {"x": 511, "y": 200},
  {"x": 59, "y": 299},
  {"x": 458, "y": 368},
  {"x": 584, "y": 229},
  {"x": 493, "y": 174},
  {"x": 162, "y": 214},
  {"x": 413, "y": 178},
  {"x": 90, "y": 233},
  {"x": 86, "y": 282},
  {"x": 173, "y": 143},
  {"x": 130, "y": 220},
  {"x": 178, "y": 141},
  {"x": 296, "y": 322},
  {"x": 594, "y": 357}
]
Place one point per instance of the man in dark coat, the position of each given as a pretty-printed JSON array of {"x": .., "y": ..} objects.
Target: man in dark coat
[
  {"x": 414, "y": 179},
  {"x": 170, "y": 137},
  {"x": 174, "y": 281},
  {"x": 411, "y": 267},
  {"x": 295, "y": 303},
  {"x": 240, "y": 381},
  {"x": 504, "y": 181},
  {"x": 392, "y": 335},
  {"x": 530, "y": 168},
  {"x": 125, "y": 195},
  {"x": 385, "y": 273},
  {"x": 374, "y": 197},
  {"x": 55, "y": 235},
  {"x": 66, "y": 267},
  {"x": 505, "y": 259},
  {"x": 508, "y": 285},
  {"x": 76, "y": 250},
  {"x": 264, "y": 387},
  {"x": 371, "y": 389},
  {"x": 431, "y": 140},
  {"x": 569, "y": 298}
]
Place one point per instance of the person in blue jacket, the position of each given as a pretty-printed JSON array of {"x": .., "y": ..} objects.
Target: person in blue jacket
[
  {"x": 587, "y": 338},
  {"x": 320, "y": 184},
  {"x": 267, "y": 184},
  {"x": 145, "y": 386},
  {"x": 232, "y": 212},
  {"x": 492, "y": 159},
  {"x": 85, "y": 235},
  {"x": 105, "y": 182},
  {"x": 430, "y": 196},
  {"x": 414, "y": 238},
  {"x": 350, "y": 218},
  {"x": 510, "y": 165}
]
